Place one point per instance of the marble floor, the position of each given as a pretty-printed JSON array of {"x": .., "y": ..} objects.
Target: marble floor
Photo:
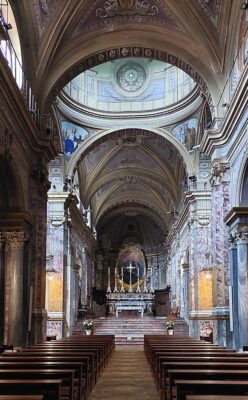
[{"x": 127, "y": 376}]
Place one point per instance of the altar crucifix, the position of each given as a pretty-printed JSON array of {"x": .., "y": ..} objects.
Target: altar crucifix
[{"x": 131, "y": 268}]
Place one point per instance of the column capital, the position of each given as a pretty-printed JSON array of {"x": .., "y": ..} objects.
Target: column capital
[
  {"x": 232, "y": 240},
  {"x": 15, "y": 239},
  {"x": 241, "y": 234},
  {"x": 2, "y": 239}
]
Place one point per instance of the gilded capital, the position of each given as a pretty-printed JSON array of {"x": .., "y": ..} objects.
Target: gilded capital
[{"x": 14, "y": 239}]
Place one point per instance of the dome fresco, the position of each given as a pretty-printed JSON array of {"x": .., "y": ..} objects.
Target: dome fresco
[{"x": 135, "y": 84}]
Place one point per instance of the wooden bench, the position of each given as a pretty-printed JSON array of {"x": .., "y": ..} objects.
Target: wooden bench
[
  {"x": 200, "y": 387},
  {"x": 50, "y": 389},
  {"x": 81, "y": 372},
  {"x": 66, "y": 376},
  {"x": 20, "y": 397},
  {"x": 214, "y": 397},
  {"x": 197, "y": 366},
  {"x": 213, "y": 374}
]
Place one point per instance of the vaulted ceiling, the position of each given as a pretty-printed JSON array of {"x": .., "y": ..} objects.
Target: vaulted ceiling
[
  {"x": 132, "y": 178},
  {"x": 58, "y": 35}
]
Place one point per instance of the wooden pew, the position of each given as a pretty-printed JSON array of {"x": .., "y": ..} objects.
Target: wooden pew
[
  {"x": 202, "y": 374},
  {"x": 200, "y": 387},
  {"x": 49, "y": 388},
  {"x": 214, "y": 397},
  {"x": 66, "y": 377},
  {"x": 20, "y": 397},
  {"x": 81, "y": 372},
  {"x": 197, "y": 366}
]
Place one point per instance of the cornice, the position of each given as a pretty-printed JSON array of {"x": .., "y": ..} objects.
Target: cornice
[
  {"x": 79, "y": 224},
  {"x": 16, "y": 220},
  {"x": 162, "y": 117},
  {"x": 214, "y": 139},
  {"x": 234, "y": 214}
]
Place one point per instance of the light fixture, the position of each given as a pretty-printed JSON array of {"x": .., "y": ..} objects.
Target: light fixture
[
  {"x": 7, "y": 26},
  {"x": 244, "y": 6}
]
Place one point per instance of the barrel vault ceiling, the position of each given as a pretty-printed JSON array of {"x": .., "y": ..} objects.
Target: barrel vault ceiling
[{"x": 132, "y": 179}]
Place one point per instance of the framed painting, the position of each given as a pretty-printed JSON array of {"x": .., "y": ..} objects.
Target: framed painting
[{"x": 130, "y": 265}]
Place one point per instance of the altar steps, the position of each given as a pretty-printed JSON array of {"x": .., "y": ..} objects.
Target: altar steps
[{"x": 131, "y": 331}]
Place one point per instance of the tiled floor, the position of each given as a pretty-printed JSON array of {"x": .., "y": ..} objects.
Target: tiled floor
[{"x": 127, "y": 376}]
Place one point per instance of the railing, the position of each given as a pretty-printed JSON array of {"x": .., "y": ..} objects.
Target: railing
[{"x": 7, "y": 51}]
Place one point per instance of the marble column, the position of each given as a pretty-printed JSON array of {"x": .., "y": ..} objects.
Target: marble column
[
  {"x": 185, "y": 268},
  {"x": 242, "y": 261},
  {"x": 2, "y": 285},
  {"x": 14, "y": 288},
  {"x": 67, "y": 279},
  {"x": 75, "y": 292},
  {"x": 233, "y": 292}
]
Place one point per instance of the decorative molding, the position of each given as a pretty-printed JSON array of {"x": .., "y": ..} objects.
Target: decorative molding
[
  {"x": 217, "y": 173},
  {"x": 241, "y": 234},
  {"x": 113, "y": 8},
  {"x": 124, "y": 52}
]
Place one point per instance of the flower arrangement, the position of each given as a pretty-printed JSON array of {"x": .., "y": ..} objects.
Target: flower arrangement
[
  {"x": 88, "y": 324},
  {"x": 169, "y": 325}
]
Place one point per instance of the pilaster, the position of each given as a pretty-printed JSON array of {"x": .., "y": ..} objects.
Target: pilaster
[{"x": 13, "y": 321}]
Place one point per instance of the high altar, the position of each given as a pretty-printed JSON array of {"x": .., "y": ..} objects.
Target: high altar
[{"x": 130, "y": 290}]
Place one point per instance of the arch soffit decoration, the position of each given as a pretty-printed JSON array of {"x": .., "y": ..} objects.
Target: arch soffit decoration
[
  {"x": 241, "y": 181},
  {"x": 151, "y": 199},
  {"x": 88, "y": 144},
  {"x": 165, "y": 177},
  {"x": 90, "y": 184},
  {"x": 98, "y": 170},
  {"x": 80, "y": 65},
  {"x": 123, "y": 175},
  {"x": 142, "y": 209}
]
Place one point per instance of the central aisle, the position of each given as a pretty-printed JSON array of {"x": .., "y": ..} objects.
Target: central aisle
[{"x": 127, "y": 376}]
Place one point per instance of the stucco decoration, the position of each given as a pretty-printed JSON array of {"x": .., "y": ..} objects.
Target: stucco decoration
[
  {"x": 211, "y": 8},
  {"x": 43, "y": 12},
  {"x": 102, "y": 13},
  {"x": 131, "y": 77}
]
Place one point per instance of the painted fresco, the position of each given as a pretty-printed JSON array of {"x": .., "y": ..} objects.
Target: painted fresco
[
  {"x": 131, "y": 257},
  {"x": 72, "y": 136},
  {"x": 186, "y": 132}
]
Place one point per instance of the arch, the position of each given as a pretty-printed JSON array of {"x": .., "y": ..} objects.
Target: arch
[
  {"x": 118, "y": 52},
  {"x": 242, "y": 192},
  {"x": 87, "y": 146}
]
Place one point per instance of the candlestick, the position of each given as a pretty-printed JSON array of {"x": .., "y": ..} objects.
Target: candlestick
[
  {"x": 115, "y": 288},
  {"x": 109, "y": 287},
  {"x": 122, "y": 285},
  {"x": 138, "y": 287}
]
